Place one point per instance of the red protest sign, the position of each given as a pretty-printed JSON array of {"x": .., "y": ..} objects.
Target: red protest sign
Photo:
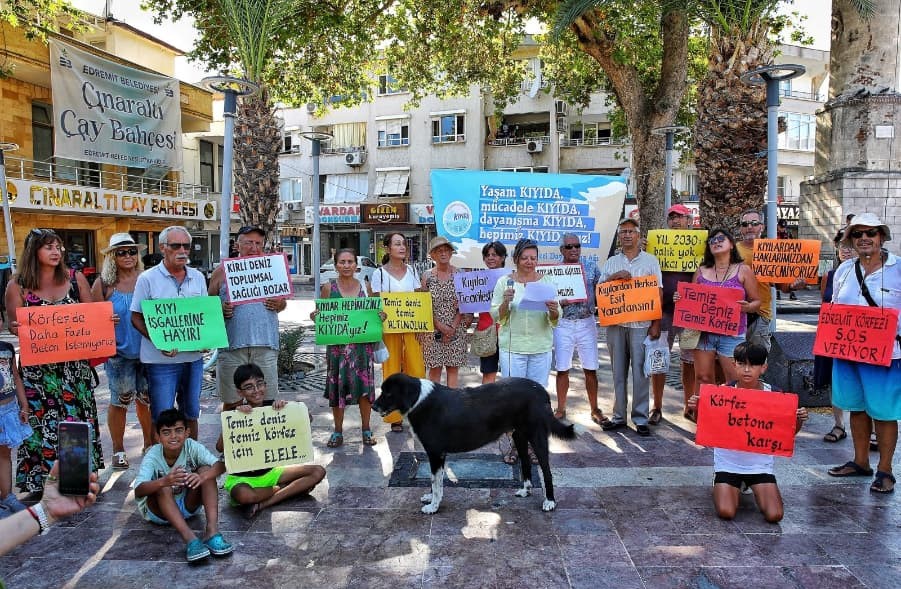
[
  {"x": 60, "y": 333},
  {"x": 856, "y": 333},
  {"x": 713, "y": 309},
  {"x": 762, "y": 422}
]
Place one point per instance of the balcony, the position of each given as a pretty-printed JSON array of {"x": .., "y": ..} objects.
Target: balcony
[
  {"x": 800, "y": 94},
  {"x": 592, "y": 142}
]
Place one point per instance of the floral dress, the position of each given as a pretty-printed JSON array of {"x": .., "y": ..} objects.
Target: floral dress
[
  {"x": 62, "y": 391},
  {"x": 444, "y": 308},
  {"x": 350, "y": 375}
]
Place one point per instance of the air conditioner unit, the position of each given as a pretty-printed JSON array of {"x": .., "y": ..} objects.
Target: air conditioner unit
[
  {"x": 355, "y": 158},
  {"x": 534, "y": 146},
  {"x": 561, "y": 107},
  {"x": 295, "y": 206},
  {"x": 311, "y": 107}
]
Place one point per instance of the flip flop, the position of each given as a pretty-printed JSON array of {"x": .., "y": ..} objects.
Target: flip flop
[
  {"x": 884, "y": 483},
  {"x": 335, "y": 440},
  {"x": 836, "y": 434},
  {"x": 597, "y": 416},
  {"x": 368, "y": 440},
  {"x": 655, "y": 417},
  {"x": 850, "y": 469}
]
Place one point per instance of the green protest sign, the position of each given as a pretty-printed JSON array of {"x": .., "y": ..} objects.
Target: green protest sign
[
  {"x": 348, "y": 321},
  {"x": 186, "y": 325}
]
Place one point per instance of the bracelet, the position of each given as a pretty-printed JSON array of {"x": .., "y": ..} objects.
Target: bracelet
[{"x": 40, "y": 516}]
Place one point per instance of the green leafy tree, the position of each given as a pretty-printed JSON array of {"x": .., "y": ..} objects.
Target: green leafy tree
[{"x": 36, "y": 18}]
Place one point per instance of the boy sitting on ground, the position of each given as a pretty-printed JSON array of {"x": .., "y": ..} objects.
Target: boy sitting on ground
[
  {"x": 176, "y": 479},
  {"x": 734, "y": 467},
  {"x": 259, "y": 489}
]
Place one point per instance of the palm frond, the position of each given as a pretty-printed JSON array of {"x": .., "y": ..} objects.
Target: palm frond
[
  {"x": 865, "y": 8},
  {"x": 569, "y": 11}
]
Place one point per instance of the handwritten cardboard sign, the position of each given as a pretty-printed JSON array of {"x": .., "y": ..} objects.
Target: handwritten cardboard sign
[
  {"x": 474, "y": 289},
  {"x": 569, "y": 280},
  {"x": 786, "y": 260},
  {"x": 408, "y": 312},
  {"x": 348, "y": 321},
  {"x": 677, "y": 250},
  {"x": 185, "y": 324},
  {"x": 856, "y": 333},
  {"x": 257, "y": 278},
  {"x": 265, "y": 438},
  {"x": 624, "y": 301},
  {"x": 713, "y": 309},
  {"x": 762, "y": 422},
  {"x": 60, "y": 333}
]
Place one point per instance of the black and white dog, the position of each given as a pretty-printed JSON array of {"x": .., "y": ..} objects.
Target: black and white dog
[{"x": 450, "y": 420}]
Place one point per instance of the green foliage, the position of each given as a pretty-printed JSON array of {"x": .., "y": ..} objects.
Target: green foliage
[
  {"x": 288, "y": 343},
  {"x": 37, "y": 17}
]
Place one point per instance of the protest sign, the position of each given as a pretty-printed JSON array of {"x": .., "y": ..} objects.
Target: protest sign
[
  {"x": 535, "y": 296},
  {"x": 407, "y": 312},
  {"x": 750, "y": 420},
  {"x": 713, "y": 309},
  {"x": 60, "y": 333},
  {"x": 265, "y": 438},
  {"x": 677, "y": 250},
  {"x": 624, "y": 301},
  {"x": 569, "y": 280},
  {"x": 474, "y": 289},
  {"x": 257, "y": 278},
  {"x": 856, "y": 333},
  {"x": 185, "y": 324},
  {"x": 348, "y": 321},
  {"x": 786, "y": 260}
]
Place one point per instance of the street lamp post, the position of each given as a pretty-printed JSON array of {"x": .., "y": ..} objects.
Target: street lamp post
[
  {"x": 316, "y": 137},
  {"x": 231, "y": 88},
  {"x": 669, "y": 132},
  {"x": 770, "y": 76},
  {"x": 7, "y": 214}
]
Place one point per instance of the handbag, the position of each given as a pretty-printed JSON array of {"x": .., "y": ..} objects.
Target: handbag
[
  {"x": 484, "y": 342},
  {"x": 380, "y": 353}
]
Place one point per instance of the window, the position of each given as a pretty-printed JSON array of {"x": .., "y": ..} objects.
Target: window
[
  {"x": 42, "y": 138},
  {"x": 220, "y": 162},
  {"x": 392, "y": 182},
  {"x": 800, "y": 132},
  {"x": 388, "y": 85},
  {"x": 448, "y": 128},
  {"x": 206, "y": 163},
  {"x": 347, "y": 137},
  {"x": 393, "y": 132},
  {"x": 287, "y": 145}
]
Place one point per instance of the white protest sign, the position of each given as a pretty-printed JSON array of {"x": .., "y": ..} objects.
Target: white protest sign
[
  {"x": 569, "y": 280},
  {"x": 257, "y": 278}
]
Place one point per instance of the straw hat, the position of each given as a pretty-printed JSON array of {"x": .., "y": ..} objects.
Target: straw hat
[{"x": 122, "y": 240}]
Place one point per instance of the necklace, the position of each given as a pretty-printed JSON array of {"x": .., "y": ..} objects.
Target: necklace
[{"x": 716, "y": 273}]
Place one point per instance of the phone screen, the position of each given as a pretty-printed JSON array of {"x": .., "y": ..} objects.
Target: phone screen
[{"x": 74, "y": 457}]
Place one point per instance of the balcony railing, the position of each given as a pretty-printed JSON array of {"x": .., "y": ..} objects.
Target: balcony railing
[
  {"x": 501, "y": 142},
  {"x": 592, "y": 142},
  {"x": 819, "y": 97},
  {"x": 337, "y": 150},
  {"x": 81, "y": 175}
]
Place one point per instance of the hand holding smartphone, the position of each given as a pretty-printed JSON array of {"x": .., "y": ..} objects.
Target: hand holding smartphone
[{"x": 74, "y": 457}]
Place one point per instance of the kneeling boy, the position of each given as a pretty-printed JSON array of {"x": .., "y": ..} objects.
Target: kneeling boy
[
  {"x": 259, "y": 489},
  {"x": 734, "y": 467},
  {"x": 176, "y": 479}
]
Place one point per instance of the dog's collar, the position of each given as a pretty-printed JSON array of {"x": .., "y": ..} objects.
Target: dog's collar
[{"x": 425, "y": 389}]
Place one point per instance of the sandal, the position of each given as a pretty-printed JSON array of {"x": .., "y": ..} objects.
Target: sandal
[
  {"x": 690, "y": 416},
  {"x": 559, "y": 413},
  {"x": 837, "y": 433},
  {"x": 397, "y": 428},
  {"x": 597, "y": 416},
  {"x": 884, "y": 483},
  {"x": 368, "y": 440},
  {"x": 335, "y": 440},
  {"x": 120, "y": 462},
  {"x": 850, "y": 469},
  {"x": 655, "y": 417}
]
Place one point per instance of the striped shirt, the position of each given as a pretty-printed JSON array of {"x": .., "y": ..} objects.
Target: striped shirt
[{"x": 644, "y": 264}]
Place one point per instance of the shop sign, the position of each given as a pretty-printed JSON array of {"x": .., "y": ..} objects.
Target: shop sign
[
  {"x": 390, "y": 213},
  {"x": 47, "y": 197},
  {"x": 422, "y": 214},
  {"x": 334, "y": 214},
  {"x": 788, "y": 213}
]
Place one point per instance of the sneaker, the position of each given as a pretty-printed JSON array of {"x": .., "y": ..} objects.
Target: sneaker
[
  {"x": 196, "y": 550},
  {"x": 12, "y": 503},
  {"x": 218, "y": 546}
]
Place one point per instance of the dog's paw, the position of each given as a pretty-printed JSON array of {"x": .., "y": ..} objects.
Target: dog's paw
[
  {"x": 427, "y": 498},
  {"x": 548, "y": 505},
  {"x": 526, "y": 489},
  {"x": 430, "y": 508}
]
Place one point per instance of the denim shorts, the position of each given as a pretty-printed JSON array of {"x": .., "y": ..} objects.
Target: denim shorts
[
  {"x": 723, "y": 345},
  {"x": 127, "y": 381},
  {"x": 177, "y": 383},
  {"x": 180, "y": 503}
]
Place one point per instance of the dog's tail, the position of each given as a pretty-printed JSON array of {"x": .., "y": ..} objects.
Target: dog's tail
[{"x": 560, "y": 430}]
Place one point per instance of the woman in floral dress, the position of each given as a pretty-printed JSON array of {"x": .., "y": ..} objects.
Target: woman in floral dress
[{"x": 61, "y": 391}]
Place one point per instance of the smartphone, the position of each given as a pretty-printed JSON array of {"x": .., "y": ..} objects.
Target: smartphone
[{"x": 74, "y": 457}]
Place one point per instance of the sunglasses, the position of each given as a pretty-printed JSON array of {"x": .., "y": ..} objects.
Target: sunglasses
[
  {"x": 572, "y": 246},
  {"x": 42, "y": 234},
  {"x": 121, "y": 253},
  {"x": 718, "y": 239},
  {"x": 751, "y": 223},
  {"x": 858, "y": 233},
  {"x": 178, "y": 246}
]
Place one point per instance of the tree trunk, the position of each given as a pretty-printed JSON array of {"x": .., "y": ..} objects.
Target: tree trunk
[{"x": 258, "y": 142}]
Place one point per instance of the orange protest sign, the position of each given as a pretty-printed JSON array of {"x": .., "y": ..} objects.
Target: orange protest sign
[
  {"x": 622, "y": 301},
  {"x": 713, "y": 309},
  {"x": 786, "y": 260},
  {"x": 762, "y": 422},
  {"x": 856, "y": 333},
  {"x": 60, "y": 333}
]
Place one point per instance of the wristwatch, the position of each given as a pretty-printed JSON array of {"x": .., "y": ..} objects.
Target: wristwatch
[{"x": 40, "y": 516}]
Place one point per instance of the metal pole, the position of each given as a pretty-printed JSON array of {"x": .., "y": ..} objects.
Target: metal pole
[
  {"x": 317, "y": 249},
  {"x": 668, "y": 173},
  {"x": 7, "y": 217},
  {"x": 225, "y": 200},
  {"x": 772, "y": 173}
]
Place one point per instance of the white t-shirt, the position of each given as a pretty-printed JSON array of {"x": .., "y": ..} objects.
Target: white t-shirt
[
  {"x": 383, "y": 281},
  {"x": 738, "y": 462}
]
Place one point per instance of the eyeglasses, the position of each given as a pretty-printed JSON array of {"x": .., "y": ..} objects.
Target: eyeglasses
[
  {"x": 250, "y": 387},
  {"x": 751, "y": 223},
  {"x": 718, "y": 239},
  {"x": 572, "y": 246},
  {"x": 627, "y": 231},
  {"x": 858, "y": 233},
  {"x": 178, "y": 246},
  {"x": 121, "y": 253}
]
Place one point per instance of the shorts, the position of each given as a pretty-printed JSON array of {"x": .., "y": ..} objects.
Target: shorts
[
  {"x": 490, "y": 364},
  {"x": 175, "y": 383},
  {"x": 723, "y": 345},
  {"x": 759, "y": 332},
  {"x": 865, "y": 387},
  {"x": 127, "y": 381},
  {"x": 576, "y": 335},
  {"x": 12, "y": 431},
  {"x": 265, "y": 480},
  {"x": 180, "y": 502},
  {"x": 734, "y": 479},
  {"x": 229, "y": 360}
]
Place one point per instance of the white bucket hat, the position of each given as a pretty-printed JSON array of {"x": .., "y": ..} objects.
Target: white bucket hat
[{"x": 866, "y": 220}]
